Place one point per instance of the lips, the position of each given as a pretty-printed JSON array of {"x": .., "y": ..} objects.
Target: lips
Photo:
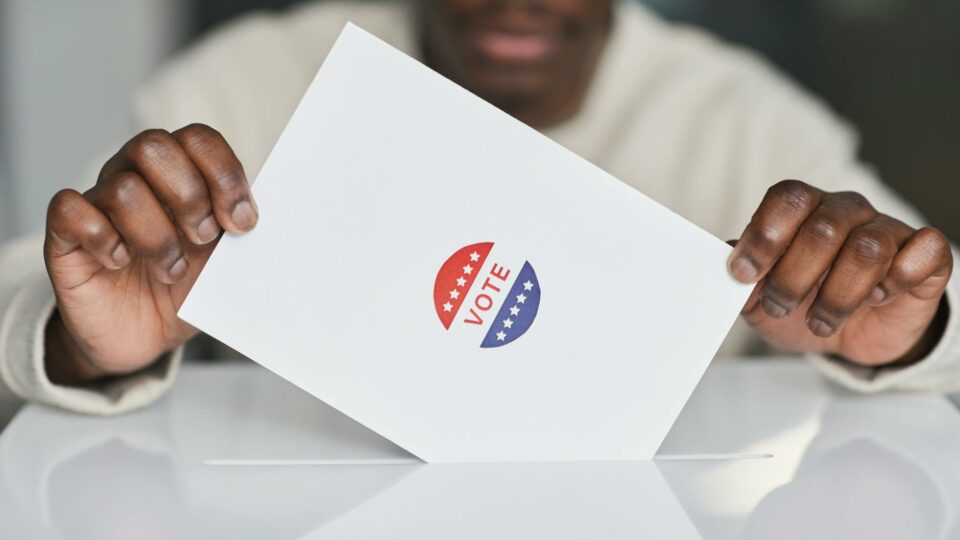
[{"x": 514, "y": 47}]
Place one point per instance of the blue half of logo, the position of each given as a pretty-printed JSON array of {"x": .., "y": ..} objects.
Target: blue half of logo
[{"x": 518, "y": 310}]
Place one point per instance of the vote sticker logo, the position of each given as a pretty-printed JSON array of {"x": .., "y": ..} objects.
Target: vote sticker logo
[{"x": 488, "y": 293}]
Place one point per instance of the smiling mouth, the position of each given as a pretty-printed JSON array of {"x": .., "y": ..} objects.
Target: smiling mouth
[{"x": 513, "y": 47}]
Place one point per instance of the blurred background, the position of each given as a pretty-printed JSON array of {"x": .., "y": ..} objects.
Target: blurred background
[{"x": 68, "y": 70}]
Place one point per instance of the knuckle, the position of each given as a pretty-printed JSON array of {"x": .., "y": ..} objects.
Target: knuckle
[
  {"x": 98, "y": 236},
  {"x": 125, "y": 188},
  {"x": 908, "y": 272},
  {"x": 190, "y": 198},
  {"x": 197, "y": 134},
  {"x": 763, "y": 239},
  {"x": 215, "y": 158},
  {"x": 870, "y": 247},
  {"x": 793, "y": 194},
  {"x": 148, "y": 145},
  {"x": 901, "y": 273},
  {"x": 229, "y": 177},
  {"x": 853, "y": 200},
  {"x": 62, "y": 204},
  {"x": 825, "y": 228},
  {"x": 934, "y": 243}
]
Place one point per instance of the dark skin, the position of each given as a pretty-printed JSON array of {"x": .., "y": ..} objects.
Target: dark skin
[
  {"x": 532, "y": 59},
  {"x": 123, "y": 255},
  {"x": 833, "y": 275}
]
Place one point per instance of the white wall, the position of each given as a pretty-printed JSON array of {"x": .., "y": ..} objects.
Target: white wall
[{"x": 68, "y": 70}]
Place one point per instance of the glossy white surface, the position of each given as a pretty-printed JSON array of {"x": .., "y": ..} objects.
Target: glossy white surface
[{"x": 218, "y": 458}]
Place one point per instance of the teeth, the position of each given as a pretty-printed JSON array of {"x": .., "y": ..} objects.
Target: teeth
[{"x": 515, "y": 46}]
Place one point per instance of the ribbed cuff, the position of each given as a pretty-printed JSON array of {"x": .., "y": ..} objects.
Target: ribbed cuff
[
  {"x": 938, "y": 372},
  {"x": 22, "y": 330}
]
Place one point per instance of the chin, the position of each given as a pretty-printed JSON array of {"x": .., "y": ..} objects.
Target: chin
[{"x": 508, "y": 88}]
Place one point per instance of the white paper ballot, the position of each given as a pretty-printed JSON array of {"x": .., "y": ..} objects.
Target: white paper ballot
[{"x": 459, "y": 283}]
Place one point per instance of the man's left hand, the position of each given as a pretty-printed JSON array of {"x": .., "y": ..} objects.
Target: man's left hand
[{"x": 835, "y": 276}]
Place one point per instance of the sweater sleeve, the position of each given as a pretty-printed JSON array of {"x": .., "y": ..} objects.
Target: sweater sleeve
[{"x": 26, "y": 304}]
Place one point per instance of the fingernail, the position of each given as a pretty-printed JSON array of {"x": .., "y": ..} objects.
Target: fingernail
[
  {"x": 120, "y": 255},
  {"x": 244, "y": 215},
  {"x": 773, "y": 309},
  {"x": 178, "y": 269},
  {"x": 820, "y": 328},
  {"x": 743, "y": 269},
  {"x": 877, "y": 295},
  {"x": 208, "y": 230}
]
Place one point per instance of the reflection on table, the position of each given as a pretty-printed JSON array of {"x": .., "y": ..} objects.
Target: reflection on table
[{"x": 236, "y": 452}]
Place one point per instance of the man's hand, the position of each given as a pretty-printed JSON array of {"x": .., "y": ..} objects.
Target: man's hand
[
  {"x": 835, "y": 276},
  {"x": 123, "y": 255}
]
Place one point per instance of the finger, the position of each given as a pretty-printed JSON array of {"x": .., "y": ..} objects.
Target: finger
[
  {"x": 921, "y": 268},
  {"x": 812, "y": 251},
  {"x": 781, "y": 213},
  {"x": 750, "y": 307},
  {"x": 863, "y": 261},
  {"x": 145, "y": 226},
  {"x": 753, "y": 300},
  {"x": 73, "y": 223},
  {"x": 233, "y": 205},
  {"x": 158, "y": 158}
]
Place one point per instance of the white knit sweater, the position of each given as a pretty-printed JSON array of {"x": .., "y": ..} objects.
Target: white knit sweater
[{"x": 700, "y": 126}]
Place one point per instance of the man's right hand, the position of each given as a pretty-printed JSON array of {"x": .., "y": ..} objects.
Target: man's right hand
[{"x": 123, "y": 255}]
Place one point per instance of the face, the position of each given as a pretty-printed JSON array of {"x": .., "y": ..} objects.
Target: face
[{"x": 532, "y": 58}]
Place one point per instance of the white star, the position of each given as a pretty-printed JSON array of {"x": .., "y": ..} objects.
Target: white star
[
  {"x": 454, "y": 294},
  {"x": 474, "y": 256},
  {"x": 461, "y": 282},
  {"x": 447, "y": 306},
  {"x": 508, "y": 323},
  {"x": 467, "y": 269},
  {"x": 514, "y": 311},
  {"x": 521, "y": 298},
  {"x": 527, "y": 285},
  {"x": 501, "y": 336}
]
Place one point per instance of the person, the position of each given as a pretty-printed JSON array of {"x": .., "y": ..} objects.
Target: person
[{"x": 844, "y": 270}]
